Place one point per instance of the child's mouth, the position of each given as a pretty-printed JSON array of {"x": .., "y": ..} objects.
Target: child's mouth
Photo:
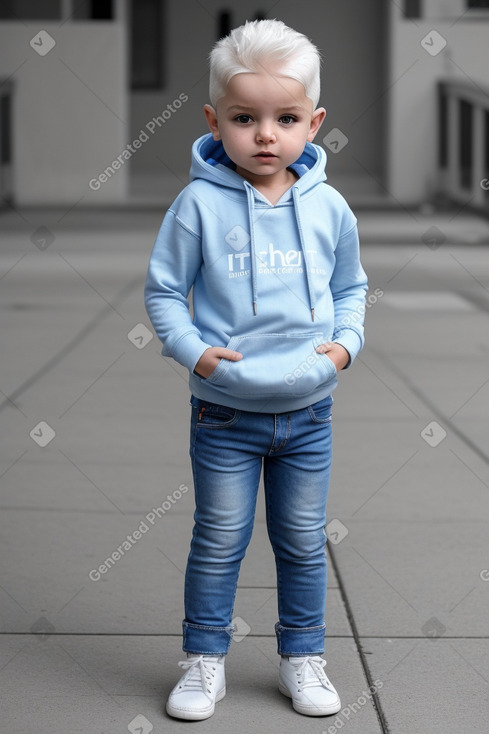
[{"x": 265, "y": 155}]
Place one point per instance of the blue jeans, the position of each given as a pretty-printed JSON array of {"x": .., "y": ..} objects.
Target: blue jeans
[{"x": 228, "y": 448}]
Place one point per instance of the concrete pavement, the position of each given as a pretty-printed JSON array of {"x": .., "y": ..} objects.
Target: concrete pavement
[{"x": 94, "y": 458}]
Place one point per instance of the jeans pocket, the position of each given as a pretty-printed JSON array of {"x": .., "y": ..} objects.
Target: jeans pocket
[
  {"x": 320, "y": 412},
  {"x": 213, "y": 415}
]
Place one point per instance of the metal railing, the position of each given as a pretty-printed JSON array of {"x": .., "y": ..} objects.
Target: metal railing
[{"x": 463, "y": 151}]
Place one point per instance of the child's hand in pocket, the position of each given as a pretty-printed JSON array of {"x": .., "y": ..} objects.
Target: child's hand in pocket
[
  {"x": 339, "y": 356},
  {"x": 211, "y": 358}
]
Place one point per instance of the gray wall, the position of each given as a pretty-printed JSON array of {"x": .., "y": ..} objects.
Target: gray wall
[{"x": 70, "y": 111}]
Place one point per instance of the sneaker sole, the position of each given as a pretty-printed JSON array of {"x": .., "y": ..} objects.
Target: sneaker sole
[
  {"x": 310, "y": 710},
  {"x": 192, "y": 715}
]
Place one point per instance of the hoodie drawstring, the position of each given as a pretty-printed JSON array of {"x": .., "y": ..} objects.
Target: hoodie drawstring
[
  {"x": 296, "y": 197},
  {"x": 254, "y": 284}
]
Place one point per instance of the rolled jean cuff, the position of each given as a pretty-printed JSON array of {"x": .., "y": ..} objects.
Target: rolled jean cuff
[
  {"x": 300, "y": 640},
  {"x": 205, "y": 640}
]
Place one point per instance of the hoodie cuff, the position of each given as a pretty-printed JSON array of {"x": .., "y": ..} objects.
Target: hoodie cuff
[
  {"x": 188, "y": 350},
  {"x": 351, "y": 341}
]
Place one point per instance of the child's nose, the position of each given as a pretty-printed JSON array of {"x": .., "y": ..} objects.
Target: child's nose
[{"x": 266, "y": 133}]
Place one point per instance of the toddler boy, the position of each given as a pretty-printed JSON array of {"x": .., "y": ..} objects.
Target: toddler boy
[{"x": 271, "y": 252}]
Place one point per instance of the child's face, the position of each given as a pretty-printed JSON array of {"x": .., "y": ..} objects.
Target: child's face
[{"x": 264, "y": 122}]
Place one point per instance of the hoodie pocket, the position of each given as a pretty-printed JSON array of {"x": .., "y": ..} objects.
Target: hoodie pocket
[{"x": 274, "y": 365}]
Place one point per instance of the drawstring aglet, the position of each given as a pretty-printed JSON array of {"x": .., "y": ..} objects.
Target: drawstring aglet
[
  {"x": 312, "y": 314},
  {"x": 254, "y": 308}
]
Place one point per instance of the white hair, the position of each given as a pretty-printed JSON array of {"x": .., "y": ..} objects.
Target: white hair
[{"x": 258, "y": 44}]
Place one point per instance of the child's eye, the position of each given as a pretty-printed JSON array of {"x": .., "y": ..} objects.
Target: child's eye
[
  {"x": 243, "y": 119},
  {"x": 288, "y": 119}
]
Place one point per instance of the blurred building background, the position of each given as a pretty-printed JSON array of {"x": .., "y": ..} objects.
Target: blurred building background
[{"x": 101, "y": 99}]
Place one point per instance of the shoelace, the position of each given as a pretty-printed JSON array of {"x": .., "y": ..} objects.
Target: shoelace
[
  {"x": 318, "y": 675},
  {"x": 200, "y": 675}
]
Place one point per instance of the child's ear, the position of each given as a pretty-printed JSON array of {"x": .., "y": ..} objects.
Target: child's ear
[
  {"x": 211, "y": 117},
  {"x": 316, "y": 122}
]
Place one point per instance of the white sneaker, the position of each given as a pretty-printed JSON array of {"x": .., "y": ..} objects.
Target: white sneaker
[
  {"x": 198, "y": 690},
  {"x": 304, "y": 681}
]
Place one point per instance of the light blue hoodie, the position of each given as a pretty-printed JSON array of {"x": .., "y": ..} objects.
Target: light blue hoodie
[{"x": 271, "y": 282}]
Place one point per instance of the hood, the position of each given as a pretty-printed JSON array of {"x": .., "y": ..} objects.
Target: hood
[{"x": 210, "y": 162}]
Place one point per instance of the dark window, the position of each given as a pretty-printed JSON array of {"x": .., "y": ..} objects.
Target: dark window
[
  {"x": 30, "y": 10},
  {"x": 412, "y": 8},
  {"x": 224, "y": 24},
  {"x": 5, "y": 141},
  {"x": 486, "y": 156},
  {"x": 465, "y": 143},
  {"x": 146, "y": 45},
  {"x": 443, "y": 128},
  {"x": 93, "y": 10},
  {"x": 477, "y": 4},
  {"x": 51, "y": 10}
]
